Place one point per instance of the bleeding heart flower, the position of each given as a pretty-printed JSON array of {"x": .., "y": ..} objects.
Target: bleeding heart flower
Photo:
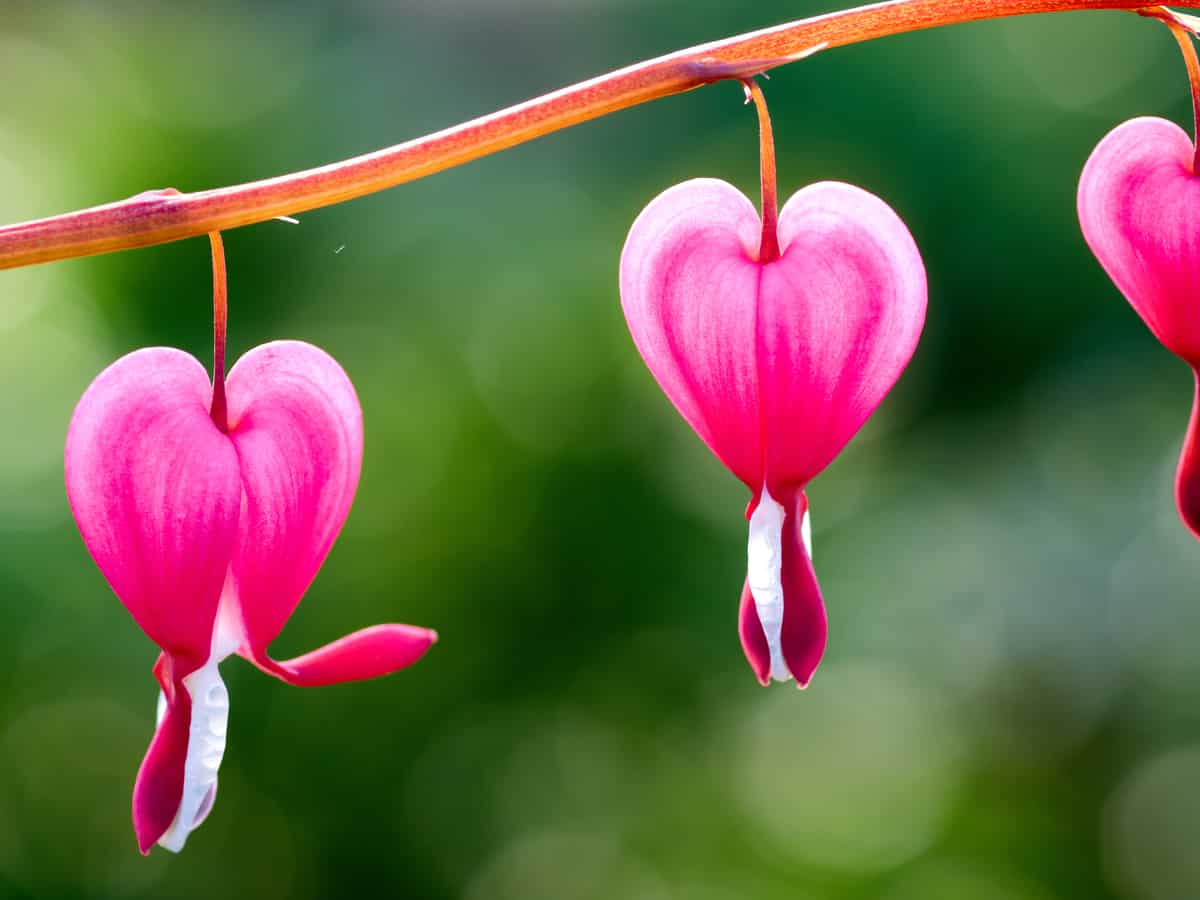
[
  {"x": 1139, "y": 206},
  {"x": 776, "y": 354},
  {"x": 210, "y": 537}
]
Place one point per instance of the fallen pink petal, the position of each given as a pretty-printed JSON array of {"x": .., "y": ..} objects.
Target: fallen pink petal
[{"x": 210, "y": 539}]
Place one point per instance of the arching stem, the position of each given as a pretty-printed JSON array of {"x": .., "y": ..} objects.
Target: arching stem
[
  {"x": 152, "y": 219},
  {"x": 1184, "y": 37},
  {"x": 768, "y": 245},
  {"x": 220, "y": 411}
]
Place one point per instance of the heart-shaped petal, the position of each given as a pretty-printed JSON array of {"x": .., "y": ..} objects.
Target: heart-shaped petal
[
  {"x": 840, "y": 314},
  {"x": 155, "y": 489},
  {"x": 689, "y": 288},
  {"x": 1139, "y": 208},
  {"x": 296, "y": 424},
  {"x": 776, "y": 366}
]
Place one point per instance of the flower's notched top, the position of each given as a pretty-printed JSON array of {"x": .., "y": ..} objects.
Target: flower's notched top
[
  {"x": 210, "y": 539},
  {"x": 775, "y": 365}
]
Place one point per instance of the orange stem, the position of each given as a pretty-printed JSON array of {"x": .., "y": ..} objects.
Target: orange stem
[
  {"x": 220, "y": 410},
  {"x": 1184, "y": 37},
  {"x": 768, "y": 245},
  {"x": 157, "y": 217}
]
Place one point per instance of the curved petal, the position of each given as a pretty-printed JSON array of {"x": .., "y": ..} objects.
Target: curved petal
[
  {"x": 155, "y": 491},
  {"x": 689, "y": 289},
  {"x": 297, "y": 427},
  {"x": 159, "y": 784},
  {"x": 1139, "y": 208},
  {"x": 754, "y": 641},
  {"x": 804, "y": 624},
  {"x": 1187, "y": 475},
  {"x": 840, "y": 313},
  {"x": 369, "y": 653},
  {"x": 782, "y": 362}
]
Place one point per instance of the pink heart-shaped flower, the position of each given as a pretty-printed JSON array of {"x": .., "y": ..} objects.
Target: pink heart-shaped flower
[
  {"x": 776, "y": 366},
  {"x": 211, "y": 538},
  {"x": 1139, "y": 207}
]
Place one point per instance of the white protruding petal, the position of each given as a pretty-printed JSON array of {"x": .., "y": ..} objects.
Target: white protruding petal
[
  {"x": 206, "y": 747},
  {"x": 806, "y": 532},
  {"x": 764, "y": 573},
  {"x": 209, "y": 724}
]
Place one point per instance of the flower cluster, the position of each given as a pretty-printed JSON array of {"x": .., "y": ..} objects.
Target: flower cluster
[{"x": 210, "y": 504}]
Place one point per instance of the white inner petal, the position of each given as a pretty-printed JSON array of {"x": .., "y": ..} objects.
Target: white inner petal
[
  {"x": 764, "y": 572},
  {"x": 206, "y": 746},
  {"x": 210, "y": 721},
  {"x": 806, "y": 532}
]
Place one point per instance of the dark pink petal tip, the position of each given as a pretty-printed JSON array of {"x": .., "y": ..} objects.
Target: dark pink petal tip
[
  {"x": 754, "y": 642},
  {"x": 1187, "y": 476},
  {"x": 159, "y": 785},
  {"x": 369, "y": 653}
]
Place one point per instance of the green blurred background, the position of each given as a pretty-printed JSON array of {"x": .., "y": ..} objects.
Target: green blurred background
[{"x": 1010, "y": 704}]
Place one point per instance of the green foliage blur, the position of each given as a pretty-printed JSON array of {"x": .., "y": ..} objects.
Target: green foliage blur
[{"x": 1010, "y": 704}]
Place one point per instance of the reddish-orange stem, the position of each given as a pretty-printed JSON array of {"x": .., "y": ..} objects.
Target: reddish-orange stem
[
  {"x": 220, "y": 410},
  {"x": 1184, "y": 37},
  {"x": 156, "y": 218},
  {"x": 768, "y": 245}
]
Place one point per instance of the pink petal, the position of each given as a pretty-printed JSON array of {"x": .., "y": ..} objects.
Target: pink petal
[
  {"x": 159, "y": 784},
  {"x": 689, "y": 288},
  {"x": 369, "y": 653},
  {"x": 155, "y": 491},
  {"x": 1139, "y": 207},
  {"x": 805, "y": 626},
  {"x": 839, "y": 316},
  {"x": 754, "y": 642},
  {"x": 787, "y": 359},
  {"x": 297, "y": 427},
  {"x": 1187, "y": 476}
]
